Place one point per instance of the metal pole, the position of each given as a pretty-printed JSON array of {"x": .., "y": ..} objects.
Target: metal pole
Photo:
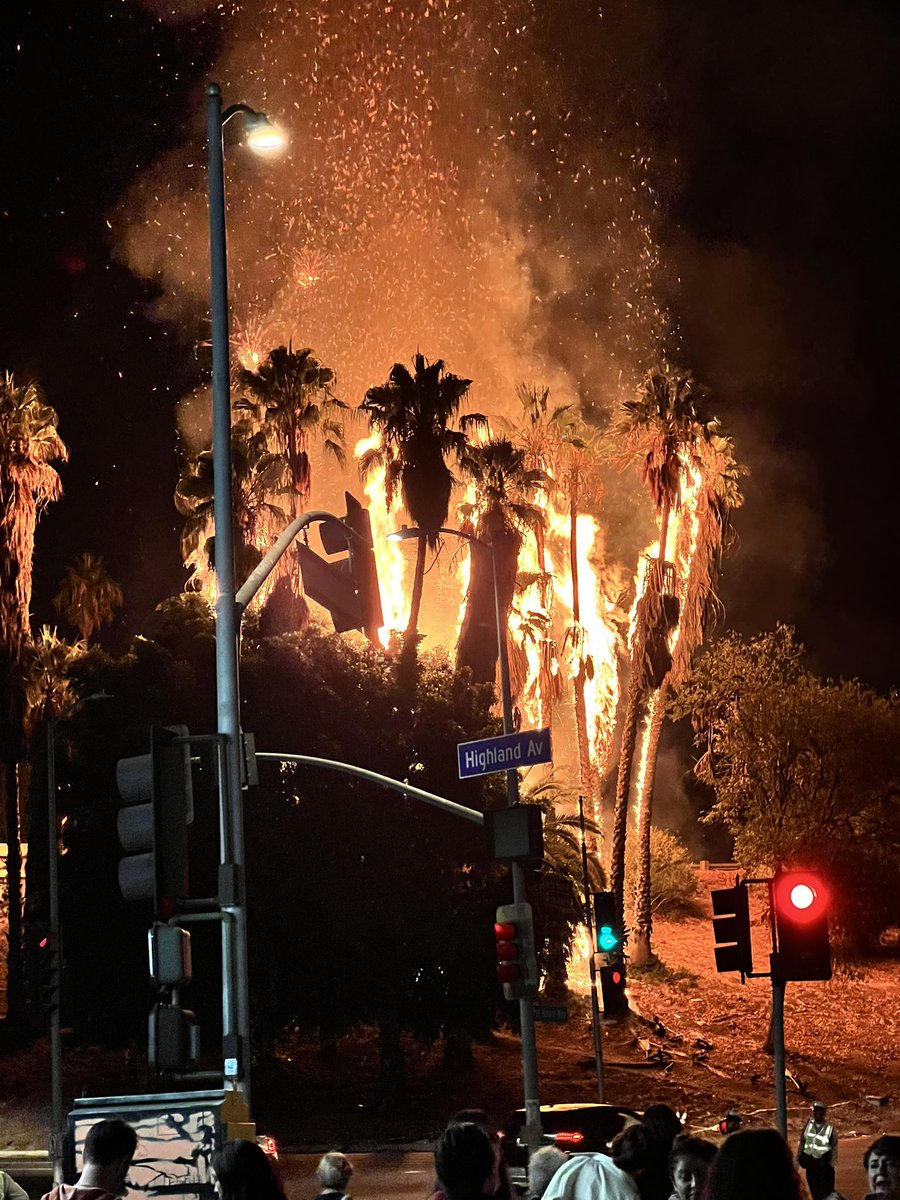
[
  {"x": 57, "y": 1132},
  {"x": 526, "y": 1009},
  {"x": 778, "y": 1047},
  {"x": 592, "y": 963},
  {"x": 227, "y": 707}
]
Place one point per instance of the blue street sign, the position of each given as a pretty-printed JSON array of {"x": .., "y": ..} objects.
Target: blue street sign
[{"x": 510, "y": 750}]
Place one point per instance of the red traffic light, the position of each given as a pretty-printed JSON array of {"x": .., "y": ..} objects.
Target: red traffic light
[
  {"x": 504, "y": 933},
  {"x": 800, "y": 897},
  {"x": 615, "y": 976}
]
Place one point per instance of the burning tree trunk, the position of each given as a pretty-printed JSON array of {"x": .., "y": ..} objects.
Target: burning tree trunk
[
  {"x": 590, "y": 779},
  {"x": 642, "y": 953},
  {"x": 477, "y": 645},
  {"x": 633, "y": 713}
]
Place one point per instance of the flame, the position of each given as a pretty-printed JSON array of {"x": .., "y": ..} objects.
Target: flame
[
  {"x": 681, "y": 547},
  {"x": 389, "y": 556}
]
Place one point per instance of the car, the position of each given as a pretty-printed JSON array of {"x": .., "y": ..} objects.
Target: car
[
  {"x": 586, "y": 1128},
  {"x": 268, "y": 1145}
]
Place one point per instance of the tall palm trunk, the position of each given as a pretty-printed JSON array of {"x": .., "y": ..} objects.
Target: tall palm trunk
[
  {"x": 642, "y": 952},
  {"x": 545, "y": 680},
  {"x": 9, "y": 782},
  {"x": 477, "y": 646},
  {"x": 415, "y": 602},
  {"x": 590, "y": 778},
  {"x": 633, "y": 711}
]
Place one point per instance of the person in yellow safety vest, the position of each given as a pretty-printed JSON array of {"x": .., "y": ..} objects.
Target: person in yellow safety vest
[{"x": 817, "y": 1153}]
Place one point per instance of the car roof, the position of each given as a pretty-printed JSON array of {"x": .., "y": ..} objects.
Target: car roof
[{"x": 580, "y": 1106}]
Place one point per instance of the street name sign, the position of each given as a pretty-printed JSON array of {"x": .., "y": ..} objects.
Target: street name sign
[
  {"x": 557, "y": 1014},
  {"x": 504, "y": 753}
]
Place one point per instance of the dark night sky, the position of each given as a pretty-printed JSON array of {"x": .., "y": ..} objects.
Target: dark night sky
[{"x": 780, "y": 123}]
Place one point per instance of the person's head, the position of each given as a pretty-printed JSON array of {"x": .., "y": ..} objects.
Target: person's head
[
  {"x": 108, "y": 1150},
  {"x": 663, "y": 1124},
  {"x": 633, "y": 1150},
  {"x": 753, "y": 1163},
  {"x": 689, "y": 1162},
  {"x": 882, "y": 1163},
  {"x": 243, "y": 1172},
  {"x": 465, "y": 1161},
  {"x": 542, "y": 1166},
  {"x": 818, "y": 1112},
  {"x": 334, "y": 1171},
  {"x": 485, "y": 1122}
]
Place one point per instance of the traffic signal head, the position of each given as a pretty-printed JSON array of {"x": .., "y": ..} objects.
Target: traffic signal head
[
  {"x": 349, "y": 587},
  {"x": 157, "y": 808},
  {"x": 731, "y": 929},
  {"x": 516, "y": 960},
  {"x": 612, "y": 987},
  {"x": 801, "y": 901},
  {"x": 608, "y": 932}
]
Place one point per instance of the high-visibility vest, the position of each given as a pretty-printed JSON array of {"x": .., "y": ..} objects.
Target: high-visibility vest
[{"x": 816, "y": 1142}]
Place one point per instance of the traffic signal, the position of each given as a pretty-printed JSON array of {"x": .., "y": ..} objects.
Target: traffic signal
[
  {"x": 608, "y": 933},
  {"x": 731, "y": 929},
  {"x": 801, "y": 902},
  {"x": 157, "y": 808},
  {"x": 174, "y": 1041},
  {"x": 44, "y": 965},
  {"x": 349, "y": 587},
  {"x": 516, "y": 961},
  {"x": 612, "y": 986}
]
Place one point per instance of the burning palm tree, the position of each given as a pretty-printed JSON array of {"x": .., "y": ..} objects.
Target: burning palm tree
[
  {"x": 412, "y": 415},
  {"x": 664, "y": 429},
  {"x": 556, "y": 440},
  {"x": 703, "y": 537},
  {"x": 29, "y": 442},
  {"x": 500, "y": 515}
]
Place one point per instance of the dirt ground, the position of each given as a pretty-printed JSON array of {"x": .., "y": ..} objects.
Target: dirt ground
[{"x": 694, "y": 1042}]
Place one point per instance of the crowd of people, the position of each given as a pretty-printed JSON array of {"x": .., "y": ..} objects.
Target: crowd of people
[
  {"x": 650, "y": 1159},
  {"x": 654, "y": 1159}
]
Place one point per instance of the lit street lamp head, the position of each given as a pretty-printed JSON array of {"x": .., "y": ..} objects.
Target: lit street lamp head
[{"x": 262, "y": 136}]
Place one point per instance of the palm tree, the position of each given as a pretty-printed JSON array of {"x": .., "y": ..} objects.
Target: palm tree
[
  {"x": 558, "y": 441},
  {"x": 412, "y": 414},
  {"x": 260, "y": 500},
  {"x": 290, "y": 400},
  {"x": 88, "y": 595},
  {"x": 663, "y": 429},
  {"x": 29, "y": 443},
  {"x": 703, "y": 538},
  {"x": 501, "y": 513}
]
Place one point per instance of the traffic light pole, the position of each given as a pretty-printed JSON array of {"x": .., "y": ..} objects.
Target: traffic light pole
[
  {"x": 526, "y": 1008},
  {"x": 778, "y": 1048},
  {"x": 592, "y": 959},
  {"x": 57, "y": 1130}
]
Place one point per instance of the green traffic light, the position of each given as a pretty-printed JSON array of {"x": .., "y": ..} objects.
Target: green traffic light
[{"x": 606, "y": 939}]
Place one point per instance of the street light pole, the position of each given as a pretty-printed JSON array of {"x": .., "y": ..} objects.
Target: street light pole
[
  {"x": 236, "y": 990},
  {"x": 56, "y": 1090},
  {"x": 526, "y": 1009}
]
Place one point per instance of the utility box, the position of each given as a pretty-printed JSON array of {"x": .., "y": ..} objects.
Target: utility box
[{"x": 177, "y": 1134}]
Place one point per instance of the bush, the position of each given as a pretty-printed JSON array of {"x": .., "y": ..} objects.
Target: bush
[{"x": 673, "y": 881}]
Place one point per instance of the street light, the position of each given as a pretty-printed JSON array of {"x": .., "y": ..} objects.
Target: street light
[
  {"x": 526, "y": 1009},
  {"x": 236, "y": 999},
  {"x": 57, "y": 1132}
]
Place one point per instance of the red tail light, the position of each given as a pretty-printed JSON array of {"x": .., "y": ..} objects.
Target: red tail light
[{"x": 568, "y": 1140}]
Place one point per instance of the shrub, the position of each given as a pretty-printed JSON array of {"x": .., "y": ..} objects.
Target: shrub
[{"x": 673, "y": 881}]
